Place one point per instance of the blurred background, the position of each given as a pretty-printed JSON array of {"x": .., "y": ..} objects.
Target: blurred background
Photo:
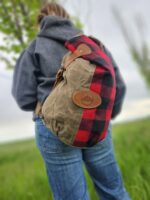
[{"x": 123, "y": 26}]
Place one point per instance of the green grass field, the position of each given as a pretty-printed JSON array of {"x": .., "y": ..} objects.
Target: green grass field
[{"x": 23, "y": 177}]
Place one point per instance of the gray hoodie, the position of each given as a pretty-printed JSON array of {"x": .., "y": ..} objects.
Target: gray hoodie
[{"x": 35, "y": 69}]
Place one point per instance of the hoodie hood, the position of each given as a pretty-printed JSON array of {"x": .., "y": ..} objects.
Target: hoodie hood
[{"x": 57, "y": 28}]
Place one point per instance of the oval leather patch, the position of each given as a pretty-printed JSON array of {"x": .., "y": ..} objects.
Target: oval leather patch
[{"x": 86, "y": 99}]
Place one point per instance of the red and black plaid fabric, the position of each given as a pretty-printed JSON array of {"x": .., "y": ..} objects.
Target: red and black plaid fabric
[{"x": 94, "y": 123}]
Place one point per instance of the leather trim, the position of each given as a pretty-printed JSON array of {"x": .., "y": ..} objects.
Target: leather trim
[
  {"x": 86, "y": 99},
  {"x": 82, "y": 49}
]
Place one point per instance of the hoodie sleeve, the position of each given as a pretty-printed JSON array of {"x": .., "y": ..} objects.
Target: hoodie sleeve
[
  {"x": 120, "y": 88},
  {"x": 24, "y": 84}
]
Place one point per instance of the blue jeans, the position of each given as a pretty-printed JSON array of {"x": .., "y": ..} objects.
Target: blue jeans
[{"x": 64, "y": 167}]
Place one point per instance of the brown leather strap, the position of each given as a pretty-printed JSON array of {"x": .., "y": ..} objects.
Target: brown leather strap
[
  {"x": 38, "y": 109},
  {"x": 82, "y": 49}
]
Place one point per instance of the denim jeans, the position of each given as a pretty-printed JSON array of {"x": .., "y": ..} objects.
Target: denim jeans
[{"x": 64, "y": 167}]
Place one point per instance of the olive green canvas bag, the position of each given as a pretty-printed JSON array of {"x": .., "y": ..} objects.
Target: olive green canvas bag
[{"x": 78, "y": 109}]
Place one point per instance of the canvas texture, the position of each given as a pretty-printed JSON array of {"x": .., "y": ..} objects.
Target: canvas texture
[{"x": 73, "y": 124}]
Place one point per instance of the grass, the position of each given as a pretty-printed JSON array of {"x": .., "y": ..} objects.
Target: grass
[
  {"x": 23, "y": 176},
  {"x": 132, "y": 152}
]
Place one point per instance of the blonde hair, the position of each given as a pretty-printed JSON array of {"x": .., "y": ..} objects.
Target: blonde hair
[{"x": 52, "y": 9}]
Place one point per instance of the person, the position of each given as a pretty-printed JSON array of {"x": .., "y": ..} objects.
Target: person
[{"x": 33, "y": 79}]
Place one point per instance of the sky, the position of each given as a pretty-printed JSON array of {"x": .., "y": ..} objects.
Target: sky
[{"x": 98, "y": 20}]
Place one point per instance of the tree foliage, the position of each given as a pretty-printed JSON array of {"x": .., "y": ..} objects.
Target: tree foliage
[
  {"x": 17, "y": 25},
  {"x": 139, "y": 50}
]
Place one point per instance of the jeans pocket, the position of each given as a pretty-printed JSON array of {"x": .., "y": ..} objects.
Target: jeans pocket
[{"x": 46, "y": 140}]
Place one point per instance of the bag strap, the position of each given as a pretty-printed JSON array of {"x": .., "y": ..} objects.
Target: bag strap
[
  {"x": 38, "y": 109},
  {"x": 82, "y": 50}
]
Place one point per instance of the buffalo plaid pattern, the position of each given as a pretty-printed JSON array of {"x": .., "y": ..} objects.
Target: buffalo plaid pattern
[{"x": 94, "y": 123}]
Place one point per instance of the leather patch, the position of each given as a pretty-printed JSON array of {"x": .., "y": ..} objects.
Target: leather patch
[
  {"x": 81, "y": 50},
  {"x": 86, "y": 99}
]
